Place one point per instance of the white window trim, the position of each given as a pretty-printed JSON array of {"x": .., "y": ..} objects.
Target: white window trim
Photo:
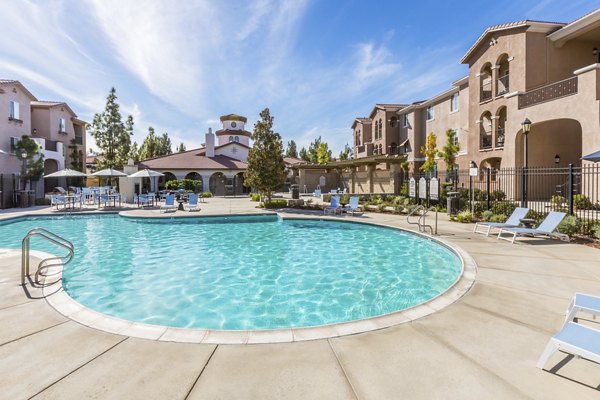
[
  {"x": 432, "y": 113},
  {"x": 15, "y": 110},
  {"x": 457, "y": 103},
  {"x": 405, "y": 123}
]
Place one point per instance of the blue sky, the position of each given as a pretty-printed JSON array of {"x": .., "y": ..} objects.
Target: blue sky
[{"x": 179, "y": 65}]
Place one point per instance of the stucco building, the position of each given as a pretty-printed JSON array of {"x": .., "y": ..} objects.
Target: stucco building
[{"x": 547, "y": 72}]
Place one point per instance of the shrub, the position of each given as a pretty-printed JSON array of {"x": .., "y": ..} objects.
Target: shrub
[
  {"x": 498, "y": 218},
  {"x": 503, "y": 207},
  {"x": 539, "y": 217},
  {"x": 206, "y": 195},
  {"x": 345, "y": 199},
  {"x": 587, "y": 228},
  {"x": 464, "y": 216},
  {"x": 596, "y": 230},
  {"x": 375, "y": 198},
  {"x": 570, "y": 225},
  {"x": 255, "y": 197},
  {"x": 42, "y": 202},
  {"x": 381, "y": 207},
  {"x": 582, "y": 202},
  {"x": 497, "y": 195},
  {"x": 397, "y": 200},
  {"x": 557, "y": 200},
  {"x": 487, "y": 215},
  {"x": 276, "y": 203}
]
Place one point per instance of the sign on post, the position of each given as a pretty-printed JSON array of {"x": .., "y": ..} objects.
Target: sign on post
[
  {"x": 422, "y": 188},
  {"x": 412, "y": 188},
  {"x": 473, "y": 171},
  {"x": 434, "y": 189}
]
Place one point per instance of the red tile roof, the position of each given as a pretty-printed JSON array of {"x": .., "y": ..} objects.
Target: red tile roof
[{"x": 192, "y": 159}]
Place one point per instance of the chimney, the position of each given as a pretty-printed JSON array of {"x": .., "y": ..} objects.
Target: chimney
[{"x": 210, "y": 144}]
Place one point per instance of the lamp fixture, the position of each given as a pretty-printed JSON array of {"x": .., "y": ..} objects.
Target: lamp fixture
[
  {"x": 24, "y": 154},
  {"x": 526, "y": 124},
  {"x": 556, "y": 159}
]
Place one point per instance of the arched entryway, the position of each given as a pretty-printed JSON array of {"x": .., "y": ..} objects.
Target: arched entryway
[
  {"x": 238, "y": 184},
  {"x": 162, "y": 181},
  {"x": 217, "y": 184},
  {"x": 195, "y": 176}
]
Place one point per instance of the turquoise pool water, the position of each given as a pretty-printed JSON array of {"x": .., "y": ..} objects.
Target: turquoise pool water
[{"x": 242, "y": 273}]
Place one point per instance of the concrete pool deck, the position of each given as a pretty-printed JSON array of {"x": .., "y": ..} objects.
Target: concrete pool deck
[{"x": 485, "y": 345}]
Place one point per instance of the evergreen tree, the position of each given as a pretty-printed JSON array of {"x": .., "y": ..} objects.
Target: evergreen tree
[
  {"x": 266, "y": 170},
  {"x": 181, "y": 147},
  {"x": 134, "y": 154},
  {"x": 164, "y": 145},
  {"x": 312, "y": 150},
  {"x": 304, "y": 155},
  {"x": 450, "y": 150},
  {"x": 429, "y": 151},
  {"x": 149, "y": 147},
  {"x": 323, "y": 153},
  {"x": 291, "y": 149},
  {"x": 112, "y": 136},
  {"x": 347, "y": 153}
]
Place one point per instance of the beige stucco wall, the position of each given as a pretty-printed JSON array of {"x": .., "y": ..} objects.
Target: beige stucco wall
[{"x": 9, "y": 163}]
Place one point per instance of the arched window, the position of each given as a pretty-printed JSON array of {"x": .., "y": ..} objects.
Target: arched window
[
  {"x": 237, "y": 139},
  {"x": 380, "y": 148},
  {"x": 380, "y": 129},
  {"x": 230, "y": 139},
  {"x": 485, "y": 82}
]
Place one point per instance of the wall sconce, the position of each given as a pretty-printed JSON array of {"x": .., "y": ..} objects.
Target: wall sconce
[
  {"x": 34, "y": 131},
  {"x": 556, "y": 159}
]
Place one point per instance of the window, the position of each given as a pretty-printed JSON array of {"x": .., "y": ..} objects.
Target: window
[
  {"x": 454, "y": 102},
  {"x": 61, "y": 126},
  {"x": 236, "y": 139},
  {"x": 13, "y": 143},
  {"x": 430, "y": 113},
  {"x": 380, "y": 129},
  {"x": 393, "y": 122},
  {"x": 455, "y": 137},
  {"x": 380, "y": 148},
  {"x": 14, "y": 110},
  {"x": 405, "y": 120},
  {"x": 230, "y": 139}
]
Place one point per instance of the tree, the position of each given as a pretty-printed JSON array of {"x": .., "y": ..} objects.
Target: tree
[
  {"x": 304, "y": 155},
  {"x": 155, "y": 146},
  {"x": 164, "y": 145},
  {"x": 291, "y": 149},
  {"x": 450, "y": 150},
  {"x": 27, "y": 151},
  {"x": 346, "y": 153},
  {"x": 134, "y": 154},
  {"x": 75, "y": 156},
  {"x": 112, "y": 136},
  {"x": 266, "y": 170},
  {"x": 323, "y": 153},
  {"x": 181, "y": 147},
  {"x": 312, "y": 150},
  {"x": 429, "y": 151}
]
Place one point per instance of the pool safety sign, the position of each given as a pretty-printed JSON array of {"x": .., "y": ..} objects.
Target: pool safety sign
[
  {"x": 412, "y": 188},
  {"x": 434, "y": 189},
  {"x": 422, "y": 188}
]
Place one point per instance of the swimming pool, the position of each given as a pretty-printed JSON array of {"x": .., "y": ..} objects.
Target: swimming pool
[{"x": 243, "y": 273}]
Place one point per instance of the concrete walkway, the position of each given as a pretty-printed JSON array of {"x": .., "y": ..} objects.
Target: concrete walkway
[{"x": 482, "y": 347}]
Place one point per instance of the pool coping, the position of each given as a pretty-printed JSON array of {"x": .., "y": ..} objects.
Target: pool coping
[{"x": 58, "y": 299}]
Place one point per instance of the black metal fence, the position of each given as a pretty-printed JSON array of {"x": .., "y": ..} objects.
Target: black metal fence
[{"x": 574, "y": 190}]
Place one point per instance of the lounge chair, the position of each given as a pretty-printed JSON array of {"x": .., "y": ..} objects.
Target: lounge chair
[
  {"x": 60, "y": 190},
  {"x": 317, "y": 192},
  {"x": 353, "y": 206},
  {"x": 141, "y": 200},
  {"x": 192, "y": 204},
  {"x": 333, "y": 207},
  {"x": 582, "y": 302},
  {"x": 545, "y": 229},
  {"x": 511, "y": 222},
  {"x": 57, "y": 200},
  {"x": 169, "y": 204},
  {"x": 575, "y": 339}
]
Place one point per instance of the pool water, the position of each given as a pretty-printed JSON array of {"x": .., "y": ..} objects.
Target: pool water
[{"x": 242, "y": 273}]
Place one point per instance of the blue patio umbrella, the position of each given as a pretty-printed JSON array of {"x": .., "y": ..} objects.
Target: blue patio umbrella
[{"x": 594, "y": 157}]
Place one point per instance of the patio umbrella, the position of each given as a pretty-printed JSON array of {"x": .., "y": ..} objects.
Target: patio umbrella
[
  {"x": 109, "y": 173},
  {"x": 146, "y": 173},
  {"x": 594, "y": 157},
  {"x": 66, "y": 173}
]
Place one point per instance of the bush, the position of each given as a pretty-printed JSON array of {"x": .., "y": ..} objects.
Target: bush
[
  {"x": 187, "y": 184},
  {"x": 596, "y": 230},
  {"x": 582, "y": 202},
  {"x": 42, "y": 202},
  {"x": 381, "y": 207},
  {"x": 537, "y": 216},
  {"x": 558, "y": 200},
  {"x": 464, "y": 216},
  {"x": 206, "y": 195},
  {"x": 255, "y": 197},
  {"x": 497, "y": 195},
  {"x": 277, "y": 203},
  {"x": 498, "y": 218},
  {"x": 570, "y": 225},
  {"x": 504, "y": 207},
  {"x": 487, "y": 215}
]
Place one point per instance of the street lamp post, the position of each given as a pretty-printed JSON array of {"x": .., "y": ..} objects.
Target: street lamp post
[
  {"x": 24, "y": 168},
  {"x": 526, "y": 128}
]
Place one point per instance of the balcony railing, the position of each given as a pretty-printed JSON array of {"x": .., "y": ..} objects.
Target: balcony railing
[
  {"x": 485, "y": 141},
  {"x": 485, "y": 92},
  {"x": 499, "y": 138},
  {"x": 78, "y": 139},
  {"x": 502, "y": 85},
  {"x": 550, "y": 92}
]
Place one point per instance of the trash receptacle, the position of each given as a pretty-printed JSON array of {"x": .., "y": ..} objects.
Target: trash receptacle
[
  {"x": 31, "y": 198},
  {"x": 452, "y": 203},
  {"x": 23, "y": 199},
  {"x": 295, "y": 192}
]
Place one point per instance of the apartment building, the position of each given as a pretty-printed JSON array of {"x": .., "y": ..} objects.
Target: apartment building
[
  {"x": 54, "y": 125},
  {"x": 546, "y": 72}
]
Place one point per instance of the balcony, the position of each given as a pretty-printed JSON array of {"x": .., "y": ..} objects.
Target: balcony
[
  {"x": 502, "y": 85},
  {"x": 547, "y": 93},
  {"x": 485, "y": 140},
  {"x": 79, "y": 139},
  {"x": 51, "y": 145},
  {"x": 485, "y": 92},
  {"x": 499, "y": 138}
]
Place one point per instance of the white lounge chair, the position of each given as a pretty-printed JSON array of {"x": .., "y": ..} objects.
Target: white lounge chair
[
  {"x": 192, "y": 204},
  {"x": 353, "y": 205},
  {"x": 169, "y": 204},
  {"x": 57, "y": 200},
  {"x": 545, "y": 229},
  {"x": 511, "y": 222},
  {"x": 317, "y": 192},
  {"x": 575, "y": 339},
  {"x": 582, "y": 302},
  {"x": 333, "y": 207}
]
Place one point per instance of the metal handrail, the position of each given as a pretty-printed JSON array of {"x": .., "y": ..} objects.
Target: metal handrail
[
  {"x": 52, "y": 238},
  {"x": 413, "y": 212},
  {"x": 421, "y": 221}
]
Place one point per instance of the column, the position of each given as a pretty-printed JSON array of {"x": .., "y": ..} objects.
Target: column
[{"x": 370, "y": 170}]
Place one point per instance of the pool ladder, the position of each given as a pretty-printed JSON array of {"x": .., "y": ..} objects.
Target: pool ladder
[
  {"x": 47, "y": 262},
  {"x": 421, "y": 220}
]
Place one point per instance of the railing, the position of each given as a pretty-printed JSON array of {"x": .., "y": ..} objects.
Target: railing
[
  {"x": 44, "y": 265},
  {"x": 485, "y": 92},
  {"x": 502, "y": 85},
  {"x": 78, "y": 139},
  {"x": 485, "y": 141},
  {"x": 499, "y": 138},
  {"x": 421, "y": 221},
  {"x": 550, "y": 92}
]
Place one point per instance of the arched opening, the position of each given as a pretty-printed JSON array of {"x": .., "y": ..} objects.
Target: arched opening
[
  {"x": 485, "y": 82},
  {"x": 51, "y": 166},
  {"x": 502, "y": 81},
  {"x": 217, "y": 184},
  {"x": 162, "y": 180},
  {"x": 238, "y": 184},
  {"x": 500, "y": 127},
  {"x": 393, "y": 148},
  {"x": 493, "y": 164},
  {"x": 195, "y": 176},
  {"x": 485, "y": 131}
]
